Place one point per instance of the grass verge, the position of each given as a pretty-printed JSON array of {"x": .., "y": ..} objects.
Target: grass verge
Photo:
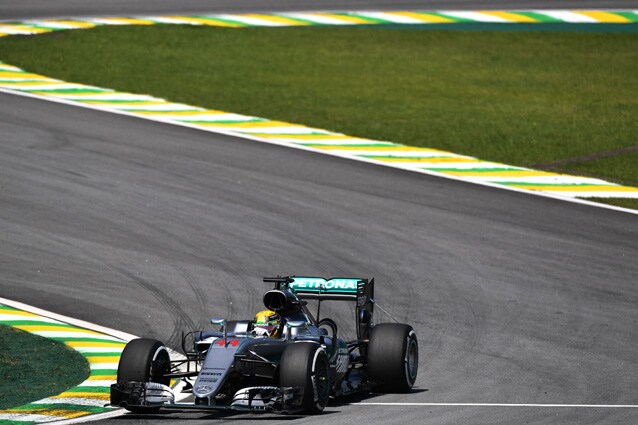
[
  {"x": 522, "y": 98},
  {"x": 33, "y": 367}
]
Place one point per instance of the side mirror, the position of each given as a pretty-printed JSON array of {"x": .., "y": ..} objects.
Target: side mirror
[
  {"x": 221, "y": 322},
  {"x": 364, "y": 316},
  {"x": 294, "y": 324}
]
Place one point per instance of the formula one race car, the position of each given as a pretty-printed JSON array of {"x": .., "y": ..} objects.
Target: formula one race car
[{"x": 292, "y": 362}]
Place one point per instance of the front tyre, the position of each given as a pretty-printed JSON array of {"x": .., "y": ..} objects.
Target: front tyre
[
  {"x": 144, "y": 360},
  {"x": 305, "y": 364},
  {"x": 393, "y": 357}
]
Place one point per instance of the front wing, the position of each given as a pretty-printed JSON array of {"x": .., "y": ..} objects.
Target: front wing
[{"x": 262, "y": 399}]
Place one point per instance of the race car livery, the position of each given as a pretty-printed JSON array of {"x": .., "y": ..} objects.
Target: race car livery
[{"x": 298, "y": 371}]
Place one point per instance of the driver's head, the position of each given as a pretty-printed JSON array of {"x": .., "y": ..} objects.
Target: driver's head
[{"x": 267, "y": 323}]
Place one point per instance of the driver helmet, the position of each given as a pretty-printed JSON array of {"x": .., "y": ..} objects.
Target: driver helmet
[{"x": 267, "y": 323}]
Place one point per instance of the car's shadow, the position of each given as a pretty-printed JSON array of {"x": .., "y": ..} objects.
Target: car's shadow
[
  {"x": 366, "y": 397},
  {"x": 183, "y": 415}
]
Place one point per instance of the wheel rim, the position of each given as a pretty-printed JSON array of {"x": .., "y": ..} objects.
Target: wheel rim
[
  {"x": 322, "y": 382},
  {"x": 159, "y": 366},
  {"x": 411, "y": 360}
]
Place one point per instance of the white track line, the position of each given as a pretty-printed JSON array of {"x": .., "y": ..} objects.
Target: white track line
[
  {"x": 300, "y": 147},
  {"x": 71, "y": 321},
  {"x": 588, "y": 406}
]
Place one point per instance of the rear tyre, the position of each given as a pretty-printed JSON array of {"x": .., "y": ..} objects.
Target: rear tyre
[
  {"x": 144, "y": 360},
  {"x": 393, "y": 357},
  {"x": 305, "y": 364}
]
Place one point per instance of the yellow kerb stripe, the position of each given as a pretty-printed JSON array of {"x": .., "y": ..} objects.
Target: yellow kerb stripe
[
  {"x": 428, "y": 159},
  {"x": 184, "y": 113},
  {"x": 132, "y": 103},
  {"x": 95, "y": 344},
  {"x": 102, "y": 359},
  {"x": 18, "y": 313},
  {"x": 258, "y": 124},
  {"x": 102, "y": 378},
  {"x": 304, "y": 136},
  {"x": 278, "y": 19},
  {"x": 40, "y": 328},
  {"x": 79, "y": 24},
  {"x": 98, "y": 396},
  {"x": 22, "y": 75},
  {"x": 605, "y": 17},
  {"x": 376, "y": 148},
  {"x": 350, "y": 19},
  {"x": 504, "y": 173},
  {"x": 31, "y": 83},
  {"x": 425, "y": 17},
  {"x": 131, "y": 21},
  {"x": 24, "y": 28},
  {"x": 509, "y": 16},
  {"x": 567, "y": 188},
  {"x": 60, "y": 413},
  {"x": 210, "y": 22}
]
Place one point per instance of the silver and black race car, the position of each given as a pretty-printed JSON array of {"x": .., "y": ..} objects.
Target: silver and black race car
[{"x": 297, "y": 371}]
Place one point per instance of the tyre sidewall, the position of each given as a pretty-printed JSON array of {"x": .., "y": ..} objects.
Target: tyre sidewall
[
  {"x": 144, "y": 360},
  {"x": 388, "y": 352},
  {"x": 299, "y": 367}
]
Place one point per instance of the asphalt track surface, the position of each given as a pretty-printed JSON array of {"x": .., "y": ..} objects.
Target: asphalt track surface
[{"x": 151, "y": 229}]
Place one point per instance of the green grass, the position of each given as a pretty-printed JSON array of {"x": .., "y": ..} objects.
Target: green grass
[
  {"x": 33, "y": 367},
  {"x": 522, "y": 98}
]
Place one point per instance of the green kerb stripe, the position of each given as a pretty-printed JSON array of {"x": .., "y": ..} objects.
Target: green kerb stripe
[
  {"x": 453, "y": 18},
  {"x": 159, "y": 113},
  {"x": 89, "y": 390},
  {"x": 5, "y": 307},
  {"x": 110, "y": 371},
  {"x": 519, "y": 13},
  {"x": 368, "y": 19},
  {"x": 301, "y": 20},
  {"x": 103, "y": 372},
  {"x": 64, "y": 91},
  {"x": 632, "y": 16},
  {"x": 100, "y": 354},
  {"x": 61, "y": 406}
]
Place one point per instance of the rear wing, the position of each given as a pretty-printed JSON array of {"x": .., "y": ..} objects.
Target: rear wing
[
  {"x": 320, "y": 288},
  {"x": 359, "y": 290}
]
